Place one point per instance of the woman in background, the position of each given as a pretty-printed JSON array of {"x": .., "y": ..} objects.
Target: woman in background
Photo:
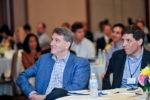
[
  {"x": 32, "y": 50},
  {"x": 19, "y": 36},
  {"x": 6, "y": 38}
]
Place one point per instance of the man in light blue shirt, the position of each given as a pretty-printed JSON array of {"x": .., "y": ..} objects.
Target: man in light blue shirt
[
  {"x": 117, "y": 43},
  {"x": 57, "y": 73},
  {"x": 131, "y": 70},
  {"x": 58, "y": 69}
]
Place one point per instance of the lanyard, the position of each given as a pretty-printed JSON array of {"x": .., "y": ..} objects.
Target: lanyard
[{"x": 135, "y": 69}]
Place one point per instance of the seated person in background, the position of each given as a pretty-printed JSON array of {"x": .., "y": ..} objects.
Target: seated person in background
[
  {"x": 117, "y": 32},
  {"x": 125, "y": 64},
  {"x": 141, "y": 25},
  {"x": 82, "y": 46},
  {"x": 27, "y": 28},
  {"x": 58, "y": 69},
  {"x": 6, "y": 38},
  {"x": 43, "y": 37},
  {"x": 66, "y": 25},
  {"x": 98, "y": 34},
  {"x": 145, "y": 29},
  {"x": 88, "y": 33},
  {"x": 102, "y": 42},
  {"x": 19, "y": 36},
  {"x": 31, "y": 51}
]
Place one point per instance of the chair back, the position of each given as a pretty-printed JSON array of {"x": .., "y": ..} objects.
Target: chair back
[{"x": 17, "y": 68}]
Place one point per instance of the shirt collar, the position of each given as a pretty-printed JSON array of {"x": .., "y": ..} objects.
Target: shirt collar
[
  {"x": 64, "y": 59},
  {"x": 39, "y": 35},
  {"x": 119, "y": 45},
  {"x": 135, "y": 59},
  {"x": 82, "y": 41},
  {"x": 106, "y": 38}
]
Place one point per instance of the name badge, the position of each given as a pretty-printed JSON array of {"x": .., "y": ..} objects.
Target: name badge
[{"x": 131, "y": 80}]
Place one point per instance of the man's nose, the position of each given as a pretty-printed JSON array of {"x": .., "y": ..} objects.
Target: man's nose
[
  {"x": 124, "y": 44},
  {"x": 51, "y": 43}
]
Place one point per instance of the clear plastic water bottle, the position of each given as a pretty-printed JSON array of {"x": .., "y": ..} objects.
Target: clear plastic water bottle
[
  {"x": 103, "y": 58},
  {"x": 99, "y": 57},
  {"x": 93, "y": 86}
]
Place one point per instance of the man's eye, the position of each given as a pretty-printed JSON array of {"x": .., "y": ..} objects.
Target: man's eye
[
  {"x": 57, "y": 40},
  {"x": 128, "y": 40}
]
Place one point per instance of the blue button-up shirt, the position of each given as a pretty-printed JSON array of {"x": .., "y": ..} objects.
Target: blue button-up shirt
[
  {"x": 135, "y": 66},
  {"x": 112, "y": 49},
  {"x": 56, "y": 80}
]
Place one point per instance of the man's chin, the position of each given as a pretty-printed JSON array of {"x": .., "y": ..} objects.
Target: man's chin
[
  {"x": 52, "y": 52},
  {"x": 127, "y": 52}
]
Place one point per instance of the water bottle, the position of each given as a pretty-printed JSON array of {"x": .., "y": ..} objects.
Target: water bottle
[
  {"x": 103, "y": 58},
  {"x": 93, "y": 86},
  {"x": 99, "y": 59}
]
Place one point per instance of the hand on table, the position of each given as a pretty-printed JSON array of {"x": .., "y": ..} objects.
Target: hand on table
[
  {"x": 103, "y": 75},
  {"x": 34, "y": 96}
]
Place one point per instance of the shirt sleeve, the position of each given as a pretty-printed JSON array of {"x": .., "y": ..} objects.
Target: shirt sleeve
[{"x": 31, "y": 93}]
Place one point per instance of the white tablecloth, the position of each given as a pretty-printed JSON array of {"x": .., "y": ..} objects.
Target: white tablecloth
[
  {"x": 5, "y": 67},
  {"x": 114, "y": 94},
  {"x": 5, "y": 64},
  {"x": 98, "y": 70}
]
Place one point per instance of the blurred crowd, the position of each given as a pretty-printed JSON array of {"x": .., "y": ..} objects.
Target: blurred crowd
[{"x": 86, "y": 44}]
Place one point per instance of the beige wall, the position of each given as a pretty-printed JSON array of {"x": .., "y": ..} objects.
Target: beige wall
[
  {"x": 19, "y": 13},
  {"x": 116, "y": 11},
  {"x": 134, "y": 9},
  {"x": 55, "y": 12}
]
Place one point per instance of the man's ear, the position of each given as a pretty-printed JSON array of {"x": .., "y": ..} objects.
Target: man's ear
[
  {"x": 140, "y": 41},
  {"x": 67, "y": 45}
]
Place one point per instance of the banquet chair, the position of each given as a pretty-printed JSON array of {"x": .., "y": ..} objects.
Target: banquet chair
[{"x": 17, "y": 68}]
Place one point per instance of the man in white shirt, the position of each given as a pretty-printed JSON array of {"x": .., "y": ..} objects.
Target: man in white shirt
[
  {"x": 44, "y": 39},
  {"x": 82, "y": 46}
]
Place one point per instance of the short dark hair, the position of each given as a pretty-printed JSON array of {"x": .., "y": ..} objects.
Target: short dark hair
[
  {"x": 27, "y": 27},
  {"x": 66, "y": 33},
  {"x": 136, "y": 31},
  {"x": 101, "y": 25},
  {"x": 26, "y": 43},
  {"x": 119, "y": 25},
  {"x": 6, "y": 30},
  {"x": 76, "y": 26},
  {"x": 44, "y": 25}
]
